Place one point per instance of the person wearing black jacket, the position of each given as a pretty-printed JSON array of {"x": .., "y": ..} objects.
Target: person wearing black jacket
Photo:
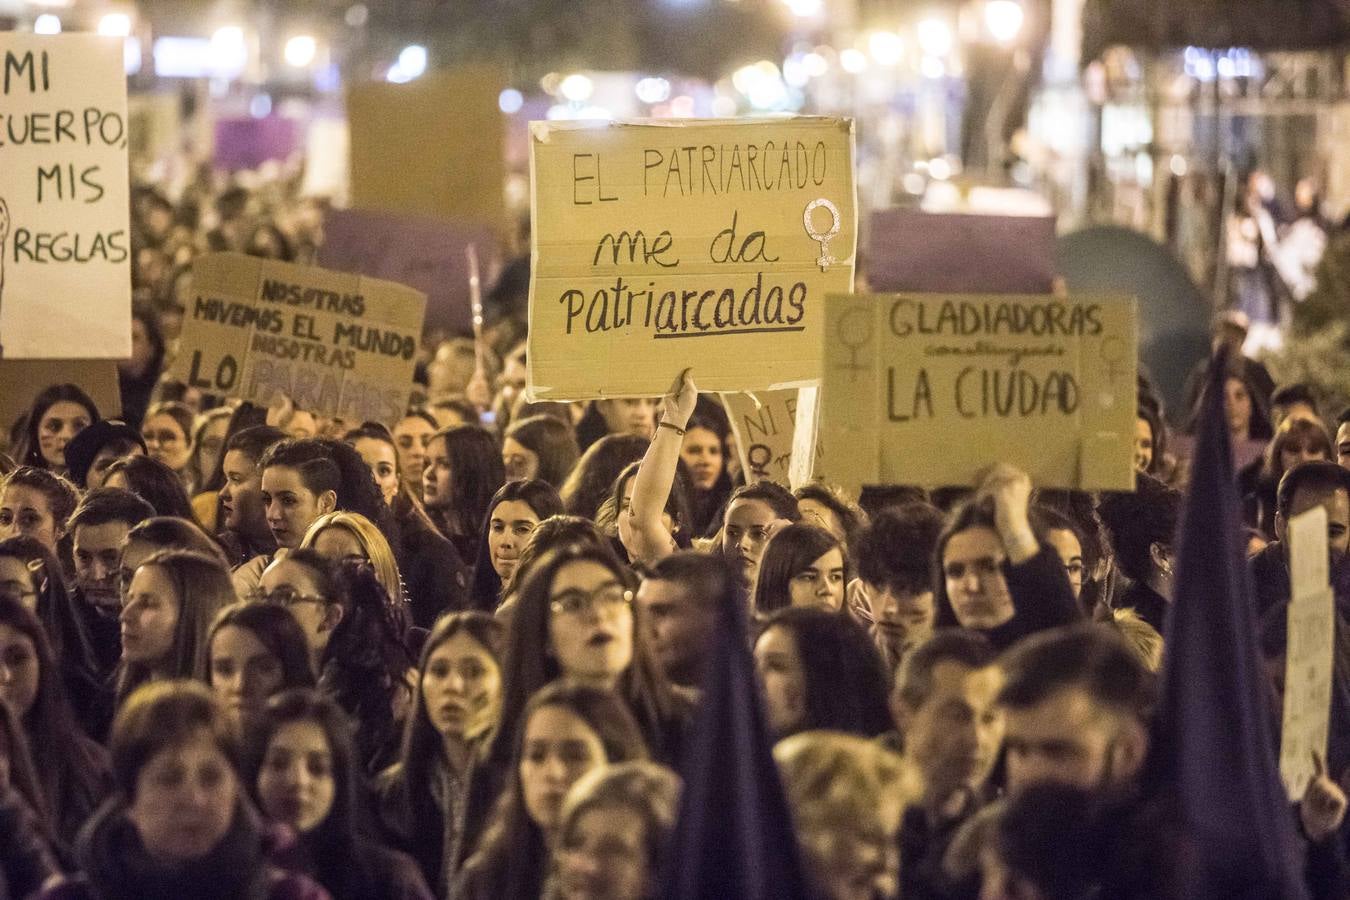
[{"x": 993, "y": 575}]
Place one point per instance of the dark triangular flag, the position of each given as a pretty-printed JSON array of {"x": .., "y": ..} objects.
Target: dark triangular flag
[
  {"x": 734, "y": 836},
  {"x": 1213, "y": 750}
]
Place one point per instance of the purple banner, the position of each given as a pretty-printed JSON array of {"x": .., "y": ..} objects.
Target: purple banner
[
  {"x": 958, "y": 253},
  {"x": 248, "y": 143}
]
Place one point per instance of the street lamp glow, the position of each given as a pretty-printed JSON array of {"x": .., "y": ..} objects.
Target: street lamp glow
[
  {"x": 652, "y": 90},
  {"x": 1004, "y": 20},
  {"x": 815, "y": 64},
  {"x": 853, "y": 60},
  {"x": 115, "y": 25},
  {"x": 412, "y": 61},
  {"x": 510, "y": 101},
  {"x": 300, "y": 51},
  {"x": 577, "y": 87},
  {"x": 935, "y": 37},
  {"x": 47, "y": 23},
  {"x": 805, "y": 9},
  {"x": 886, "y": 47}
]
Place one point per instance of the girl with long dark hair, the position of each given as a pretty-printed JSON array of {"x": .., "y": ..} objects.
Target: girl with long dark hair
[
  {"x": 56, "y": 415},
  {"x": 803, "y": 566},
  {"x": 513, "y": 513},
  {"x": 463, "y": 471}
]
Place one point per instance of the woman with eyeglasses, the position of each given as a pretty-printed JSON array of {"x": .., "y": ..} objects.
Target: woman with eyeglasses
[
  {"x": 166, "y": 610},
  {"x": 301, "y": 768},
  {"x": 255, "y": 651},
  {"x": 456, "y": 707},
  {"x": 355, "y": 639},
  {"x": 995, "y": 576},
  {"x": 74, "y": 775},
  {"x": 351, "y": 537},
  {"x": 167, "y": 432},
  {"x": 566, "y": 730}
]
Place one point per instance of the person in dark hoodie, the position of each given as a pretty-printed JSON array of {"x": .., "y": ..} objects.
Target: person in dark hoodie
[
  {"x": 180, "y": 824},
  {"x": 993, "y": 575}
]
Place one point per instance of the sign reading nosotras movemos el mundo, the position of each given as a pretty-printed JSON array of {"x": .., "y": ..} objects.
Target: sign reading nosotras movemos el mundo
[
  {"x": 65, "y": 246},
  {"x": 711, "y": 244},
  {"x": 929, "y": 389},
  {"x": 337, "y": 344}
]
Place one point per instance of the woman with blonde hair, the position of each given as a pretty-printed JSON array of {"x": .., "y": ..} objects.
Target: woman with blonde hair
[
  {"x": 351, "y": 536},
  {"x": 847, "y": 796}
]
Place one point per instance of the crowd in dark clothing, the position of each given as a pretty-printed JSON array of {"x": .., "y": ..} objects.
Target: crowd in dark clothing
[{"x": 267, "y": 653}]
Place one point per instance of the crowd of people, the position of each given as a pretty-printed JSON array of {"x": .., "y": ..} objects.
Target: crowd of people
[{"x": 264, "y": 652}]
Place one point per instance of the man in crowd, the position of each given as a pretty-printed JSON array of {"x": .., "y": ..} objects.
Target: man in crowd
[
  {"x": 1076, "y": 703},
  {"x": 1304, "y": 487},
  {"x": 895, "y": 578},
  {"x": 944, "y": 705},
  {"x": 680, "y": 598}
]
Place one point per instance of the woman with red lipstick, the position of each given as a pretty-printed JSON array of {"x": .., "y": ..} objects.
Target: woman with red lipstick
[
  {"x": 512, "y": 515},
  {"x": 302, "y": 770},
  {"x": 253, "y": 652},
  {"x": 457, "y": 705},
  {"x": 566, "y": 730}
]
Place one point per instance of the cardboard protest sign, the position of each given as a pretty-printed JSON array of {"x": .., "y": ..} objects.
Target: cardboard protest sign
[
  {"x": 65, "y": 245},
  {"x": 337, "y": 344},
  {"x": 662, "y": 245},
  {"x": 764, "y": 424},
  {"x": 1308, "y": 656},
  {"x": 959, "y": 253},
  {"x": 929, "y": 389},
  {"x": 432, "y": 147},
  {"x": 425, "y": 254}
]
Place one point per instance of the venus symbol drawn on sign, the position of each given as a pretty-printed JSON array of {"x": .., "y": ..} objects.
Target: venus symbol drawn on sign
[
  {"x": 823, "y": 237},
  {"x": 854, "y": 330},
  {"x": 1112, "y": 367}
]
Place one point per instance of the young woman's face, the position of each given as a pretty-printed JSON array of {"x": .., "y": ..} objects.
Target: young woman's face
[
  {"x": 972, "y": 565},
  {"x": 243, "y": 672},
  {"x": 604, "y": 855},
  {"x": 17, "y": 582},
  {"x": 462, "y": 688},
  {"x": 26, "y": 511},
  {"x": 166, "y": 441},
  {"x": 61, "y": 422},
  {"x": 511, "y": 524},
  {"x": 290, "y": 506},
  {"x": 1070, "y": 552},
  {"x": 1143, "y": 445},
  {"x": 1237, "y": 405},
  {"x": 296, "y": 784},
  {"x": 301, "y": 590},
  {"x": 590, "y": 622},
  {"x": 412, "y": 434},
  {"x": 558, "y": 748},
  {"x": 149, "y": 616},
  {"x": 702, "y": 454},
  {"x": 383, "y": 462},
  {"x": 521, "y": 463},
  {"x": 436, "y": 474},
  {"x": 19, "y": 671},
  {"x": 779, "y": 665},
  {"x": 629, "y": 416},
  {"x": 185, "y": 800},
  {"x": 749, "y": 525},
  {"x": 821, "y": 583}
]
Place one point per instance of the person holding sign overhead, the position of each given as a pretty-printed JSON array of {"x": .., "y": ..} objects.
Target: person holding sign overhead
[{"x": 996, "y": 577}]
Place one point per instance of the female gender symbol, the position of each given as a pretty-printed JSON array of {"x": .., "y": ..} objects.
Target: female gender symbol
[{"x": 825, "y": 260}]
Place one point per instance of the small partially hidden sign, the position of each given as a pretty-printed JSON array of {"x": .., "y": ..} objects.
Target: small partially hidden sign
[
  {"x": 764, "y": 425},
  {"x": 1308, "y": 657},
  {"x": 929, "y": 389},
  {"x": 336, "y": 344},
  {"x": 662, "y": 245},
  {"x": 65, "y": 239}
]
